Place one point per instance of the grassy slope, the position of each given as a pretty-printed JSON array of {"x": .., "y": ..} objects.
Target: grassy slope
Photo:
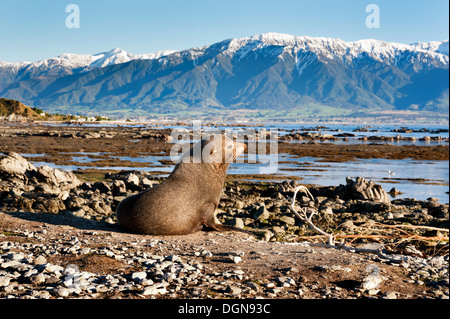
[{"x": 13, "y": 107}]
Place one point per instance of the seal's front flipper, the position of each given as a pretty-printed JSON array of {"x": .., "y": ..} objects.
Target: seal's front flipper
[{"x": 211, "y": 221}]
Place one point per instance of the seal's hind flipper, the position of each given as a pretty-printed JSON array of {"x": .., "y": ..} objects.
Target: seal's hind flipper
[{"x": 222, "y": 227}]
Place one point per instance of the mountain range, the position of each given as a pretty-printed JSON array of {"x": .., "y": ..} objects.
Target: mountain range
[{"x": 264, "y": 72}]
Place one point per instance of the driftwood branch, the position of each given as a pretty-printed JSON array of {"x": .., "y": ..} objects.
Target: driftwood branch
[
  {"x": 303, "y": 215},
  {"x": 413, "y": 227}
]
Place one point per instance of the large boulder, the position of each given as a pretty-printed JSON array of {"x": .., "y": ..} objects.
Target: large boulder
[
  {"x": 17, "y": 169},
  {"x": 362, "y": 189},
  {"x": 14, "y": 164},
  {"x": 56, "y": 178}
]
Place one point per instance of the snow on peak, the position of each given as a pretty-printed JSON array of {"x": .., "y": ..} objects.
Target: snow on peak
[
  {"x": 154, "y": 55},
  {"x": 435, "y": 46},
  {"x": 330, "y": 48},
  {"x": 114, "y": 56}
]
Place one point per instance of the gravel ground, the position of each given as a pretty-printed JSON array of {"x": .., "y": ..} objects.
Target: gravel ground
[{"x": 44, "y": 260}]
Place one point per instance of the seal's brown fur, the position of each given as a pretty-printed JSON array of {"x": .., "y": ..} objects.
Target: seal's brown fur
[{"x": 187, "y": 199}]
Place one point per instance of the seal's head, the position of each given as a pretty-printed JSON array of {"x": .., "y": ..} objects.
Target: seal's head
[{"x": 217, "y": 149}]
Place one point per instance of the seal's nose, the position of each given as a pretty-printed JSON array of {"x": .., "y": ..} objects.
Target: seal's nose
[{"x": 240, "y": 147}]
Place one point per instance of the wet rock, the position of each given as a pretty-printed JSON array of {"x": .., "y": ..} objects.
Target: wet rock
[{"x": 394, "y": 192}]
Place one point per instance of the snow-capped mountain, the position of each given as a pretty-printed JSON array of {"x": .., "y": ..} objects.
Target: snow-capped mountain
[
  {"x": 69, "y": 63},
  {"x": 267, "y": 71},
  {"x": 430, "y": 54},
  {"x": 330, "y": 48}
]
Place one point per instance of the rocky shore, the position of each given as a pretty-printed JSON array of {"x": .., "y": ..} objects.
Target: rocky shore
[{"x": 59, "y": 239}]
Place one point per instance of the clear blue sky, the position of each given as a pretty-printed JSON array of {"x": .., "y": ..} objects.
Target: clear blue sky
[{"x": 35, "y": 29}]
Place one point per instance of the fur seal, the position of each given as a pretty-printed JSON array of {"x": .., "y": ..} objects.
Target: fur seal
[{"x": 186, "y": 201}]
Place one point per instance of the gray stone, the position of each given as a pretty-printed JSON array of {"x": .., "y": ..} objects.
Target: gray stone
[
  {"x": 40, "y": 260},
  {"x": 253, "y": 286},
  {"x": 278, "y": 230},
  {"x": 270, "y": 285},
  {"x": 101, "y": 288},
  {"x": 147, "y": 282},
  {"x": 43, "y": 294},
  {"x": 285, "y": 281},
  {"x": 236, "y": 259},
  {"x": 148, "y": 183},
  {"x": 13, "y": 264},
  {"x": 53, "y": 268},
  {"x": 238, "y": 204},
  {"x": 391, "y": 295},
  {"x": 61, "y": 292},
  {"x": 261, "y": 213},
  {"x": 132, "y": 179},
  {"x": 237, "y": 253},
  {"x": 233, "y": 290},
  {"x": 157, "y": 289},
  {"x": 138, "y": 277},
  {"x": 37, "y": 279},
  {"x": 237, "y": 222},
  {"x": 173, "y": 258},
  {"x": 362, "y": 189},
  {"x": 288, "y": 220},
  {"x": 14, "y": 164},
  {"x": 4, "y": 281},
  {"x": 15, "y": 256}
]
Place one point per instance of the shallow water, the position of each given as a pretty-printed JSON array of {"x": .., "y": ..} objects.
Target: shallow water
[{"x": 415, "y": 179}]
